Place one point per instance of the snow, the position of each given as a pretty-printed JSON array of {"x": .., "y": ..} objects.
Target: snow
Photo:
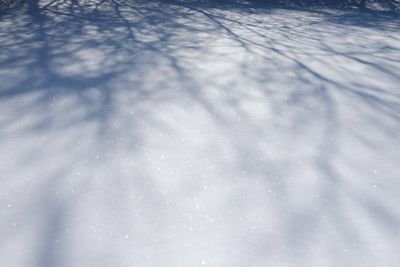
[{"x": 191, "y": 133}]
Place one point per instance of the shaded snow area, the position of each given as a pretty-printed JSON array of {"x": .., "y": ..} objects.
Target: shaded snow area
[{"x": 198, "y": 133}]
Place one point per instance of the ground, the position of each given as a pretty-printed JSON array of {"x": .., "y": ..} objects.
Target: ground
[{"x": 192, "y": 133}]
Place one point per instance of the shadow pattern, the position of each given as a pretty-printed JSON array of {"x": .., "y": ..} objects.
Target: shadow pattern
[{"x": 307, "y": 102}]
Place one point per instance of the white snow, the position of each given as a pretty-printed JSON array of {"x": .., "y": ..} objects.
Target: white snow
[{"x": 188, "y": 133}]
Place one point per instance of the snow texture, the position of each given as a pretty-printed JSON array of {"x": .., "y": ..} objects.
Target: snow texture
[{"x": 198, "y": 133}]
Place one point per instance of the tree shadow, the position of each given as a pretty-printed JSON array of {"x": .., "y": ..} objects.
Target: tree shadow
[{"x": 306, "y": 100}]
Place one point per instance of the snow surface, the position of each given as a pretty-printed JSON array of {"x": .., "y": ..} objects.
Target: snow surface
[{"x": 195, "y": 133}]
